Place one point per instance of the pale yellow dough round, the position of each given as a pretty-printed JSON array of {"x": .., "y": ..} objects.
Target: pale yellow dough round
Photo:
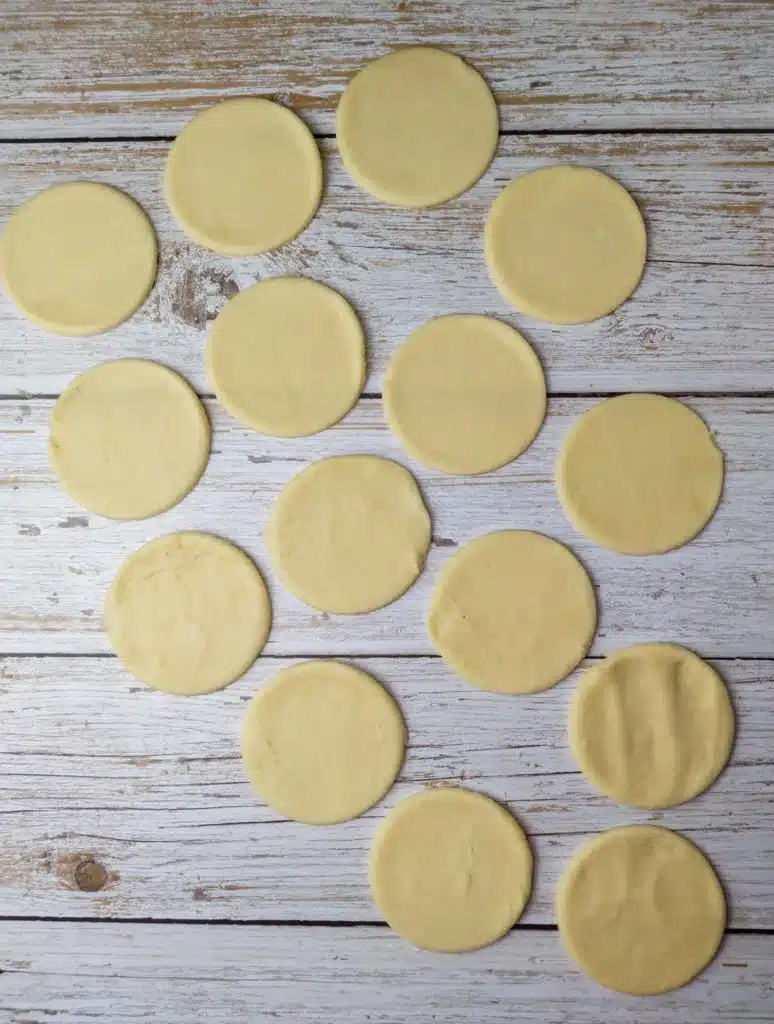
[
  {"x": 565, "y": 244},
  {"x": 450, "y": 870},
  {"x": 187, "y": 613},
  {"x": 640, "y": 474},
  {"x": 465, "y": 394},
  {"x": 244, "y": 177},
  {"x": 287, "y": 356},
  {"x": 513, "y": 612},
  {"x": 128, "y": 439},
  {"x": 640, "y": 909},
  {"x": 417, "y": 127},
  {"x": 79, "y": 258},
  {"x": 322, "y": 742},
  {"x": 349, "y": 534},
  {"x": 651, "y": 726}
]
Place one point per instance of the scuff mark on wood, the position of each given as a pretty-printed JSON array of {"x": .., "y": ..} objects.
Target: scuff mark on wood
[{"x": 72, "y": 521}]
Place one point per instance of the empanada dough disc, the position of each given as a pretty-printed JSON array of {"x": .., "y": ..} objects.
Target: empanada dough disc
[
  {"x": 322, "y": 742},
  {"x": 417, "y": 127},
  {"x": 640, "y": 474},
  {"x": 79, "y": 258},
  {"x": 465, "y": 394},
  {"x": 513, "y": 612},
  {"x": 651, "y": 726},
  {"x": 244, "y": 177},
  {"x": 187, "y": 613},
  {"x": 287, "y": 356},
  {"x": 450, "y": 870},
  {"x": 128, "y": 439},
  {"x": 349, "y": 534},
  {"x": 565, "y": 244},
  {"x": 640, "y": 909}
]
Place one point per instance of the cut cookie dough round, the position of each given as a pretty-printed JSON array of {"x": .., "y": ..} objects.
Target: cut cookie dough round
[
  {"x": 640, "y": 909},
  {"x": 565, "y": 244},
  {"x": 651, "y": 726},
  {"x": 187, "y": 613},
  {"x": 450, "y": 870},
  {"x": 349, "y": 534},
  {"x": 513, "y": 612},
  {"x": 79, "y": 258},
  {"x": 244, "y": 176},
  {"x": 465, "y": 394},
  {"x": 417, "y": 127},
  {"x": 128, "y": 439},
  {"x": 639, "y": 474},
  {"x": 287, "y": 356},
  {"x": 322, "y": 742}
]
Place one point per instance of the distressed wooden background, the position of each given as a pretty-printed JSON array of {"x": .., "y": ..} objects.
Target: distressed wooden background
[{"x": 140, "y": 880}]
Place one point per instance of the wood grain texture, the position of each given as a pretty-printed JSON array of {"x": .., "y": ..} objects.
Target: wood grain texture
[
  {"x": 97, "y": 769},
  {"x": 76, "y": 67},
  {"x": 701, "y": 321},
  {"x": 178, "y": 974},
  {"x": 714, "y": 594}
]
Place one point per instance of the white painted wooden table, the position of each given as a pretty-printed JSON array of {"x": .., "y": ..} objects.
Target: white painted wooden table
[{"x": 139, "y": 878}]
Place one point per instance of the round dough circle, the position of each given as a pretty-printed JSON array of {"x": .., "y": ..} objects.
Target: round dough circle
[
  {"x": 287, "y": 356},
  {"x": 244, "y": 176},
  {"x": 565, "y": 244},
  {"x": 513, "y": 612},
  {"x": 640, "y": 909},
  {"x": 322, "y": 742},
  {"x": 651, "y": 726},
  {"x": 79, "y": 258},
  {"x": 639, "y": 474},
  {"x": 465, "y": 394},
  {"x": 187, "y": 613},
  {"x": 417, "y": 127},
  {"x": 128, "y": 439},
  {"x": 349, "y": 534},
  {"x": 450, "y": 870}
]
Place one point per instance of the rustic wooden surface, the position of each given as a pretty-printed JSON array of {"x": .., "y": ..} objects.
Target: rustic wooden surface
[
  {"x": 140, "y": 880},
  {"x": 167, "y": 813},
  {"x": 714, "y": 594},
  {"x": 128, "y": 67},
  {"x": 701, "y": 321},
  {"x": 221, "y": 974}
]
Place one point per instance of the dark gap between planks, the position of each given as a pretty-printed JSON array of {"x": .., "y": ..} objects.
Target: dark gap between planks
[
  {"x": 280, "y": 923},
  {"x": 89, "y": 139},
  {"x": 356, "y": 655},
  {"x": 376, "y": 396}
]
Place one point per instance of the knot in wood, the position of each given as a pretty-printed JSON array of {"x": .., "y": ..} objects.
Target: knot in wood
[{"x": 90, "y": 875}]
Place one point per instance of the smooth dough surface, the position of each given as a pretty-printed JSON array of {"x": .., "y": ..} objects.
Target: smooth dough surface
[
  {"x": 450, "y": 870},
  {"x": 79, "y": 258},
  {"x": 187, "y": 613},
  {"x": 128, "y": 439},
  {"x": 244, "y": 176},
  {"x": 322, "y": 742},
  {"x": 513, "y": 612},
  {"x": 640, "y": 474},
  {"x": 465, "y": 394},
  {"x": 287, "y": 356},
  {"x": 349, "y": 534},
  {"x": 565, "y": 244},
  {"x": 640, "y": 909},
  {"x": 651, "y": 726},
  {"x": 417, "y": 127}
]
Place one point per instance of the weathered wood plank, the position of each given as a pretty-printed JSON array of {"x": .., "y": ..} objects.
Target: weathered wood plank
[
  {"x": 97, "y": 767},
  {"x": 702, "y": 319},
  {"x": 76, "y": 67},
  {"x": 181, "y": 974},
  {"x": 714, "y": 594}
]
